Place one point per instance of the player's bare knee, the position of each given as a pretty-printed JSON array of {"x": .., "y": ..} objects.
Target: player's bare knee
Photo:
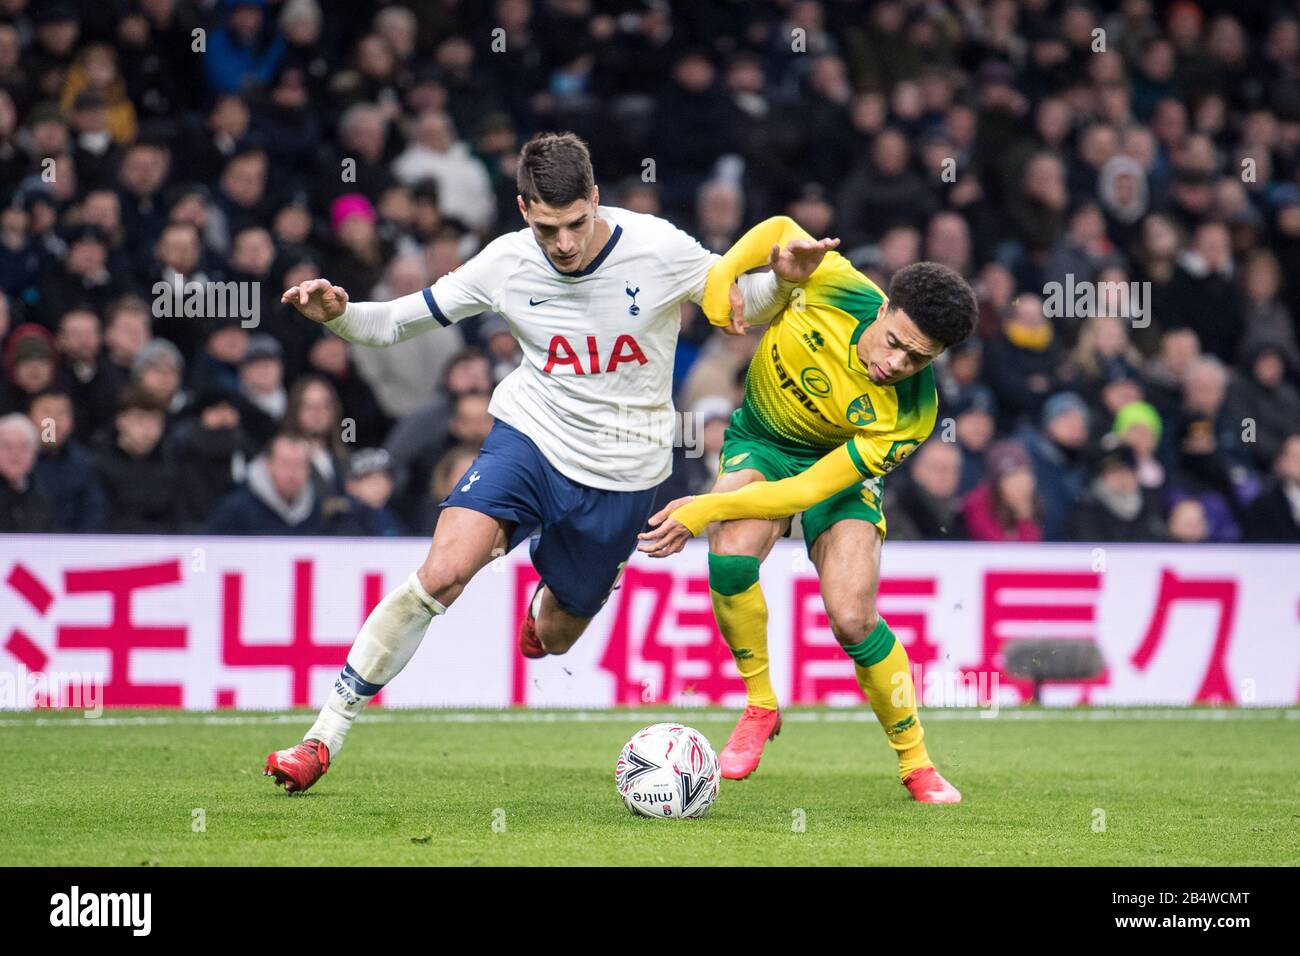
[
  {"x": 741, "y": 538},
  {"x": 723, "y": 542},
  {"x": 442, "y": 578},
  {"x": 851, "y": 625}
]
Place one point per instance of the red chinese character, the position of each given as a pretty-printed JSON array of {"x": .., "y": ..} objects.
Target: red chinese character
[
  {"x": 19, "y": 645},
  {"x": 821, "y": 668},
  {"x": 909, "y": 623},
  {"x": 696, "y": 660},
  {"x": 121, "y": 635},
  {"x": 1223, "y": 591},
  {"x": 1073, "y": 600},
  {"x": 526, "y": 578},
  {"x": 302, "y": 653},
  {"x": 23, "y": 649},
  {"x": 617, "y": 657},
  {"x": 699, "y": 666}
]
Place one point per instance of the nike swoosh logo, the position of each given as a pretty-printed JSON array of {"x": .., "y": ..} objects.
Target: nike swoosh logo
[{"x": 532, "y": 301}]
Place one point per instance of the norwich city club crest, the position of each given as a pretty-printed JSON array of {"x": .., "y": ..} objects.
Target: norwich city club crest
[{"x": 860, "y": 412}]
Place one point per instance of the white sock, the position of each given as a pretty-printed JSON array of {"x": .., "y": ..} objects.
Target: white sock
[{"x": 386, "y": 643}]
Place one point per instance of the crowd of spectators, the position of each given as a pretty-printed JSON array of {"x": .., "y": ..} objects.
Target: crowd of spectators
[{"x": 1034, "y": 146}]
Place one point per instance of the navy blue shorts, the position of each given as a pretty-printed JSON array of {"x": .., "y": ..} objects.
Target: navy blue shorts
[{"x": 582, "y": 536}]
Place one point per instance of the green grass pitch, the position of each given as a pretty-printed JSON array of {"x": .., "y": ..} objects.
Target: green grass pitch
[{"x": 1041, "y": 787}]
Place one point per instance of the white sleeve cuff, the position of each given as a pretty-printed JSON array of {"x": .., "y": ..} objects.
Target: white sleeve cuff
[{"x": 380, "y": 324}]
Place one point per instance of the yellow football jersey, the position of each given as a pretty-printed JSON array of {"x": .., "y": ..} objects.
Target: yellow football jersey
[
  {"x": 808, "y": 389},
  {"x": 808, "y": 386}
]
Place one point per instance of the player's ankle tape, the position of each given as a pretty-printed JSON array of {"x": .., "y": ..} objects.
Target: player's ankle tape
[
  {"x": 875, "y": 648},
  {"x": 732, "y": 573}
]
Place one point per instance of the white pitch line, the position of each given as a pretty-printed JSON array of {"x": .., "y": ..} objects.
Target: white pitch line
[{"x": 397, "y": 716}]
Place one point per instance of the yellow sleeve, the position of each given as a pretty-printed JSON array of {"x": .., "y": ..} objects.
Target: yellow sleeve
[
  {"x": 751, "y": 250},
  {"x": 877, "y": 455},
  {"x": 775, "y": 499}
]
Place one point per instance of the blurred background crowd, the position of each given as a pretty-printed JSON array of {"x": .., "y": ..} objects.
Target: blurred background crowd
[{"x": 1025, "y": 144}]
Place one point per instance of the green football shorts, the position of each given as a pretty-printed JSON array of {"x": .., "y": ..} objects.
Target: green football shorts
[{"x": 749, "y": 443}]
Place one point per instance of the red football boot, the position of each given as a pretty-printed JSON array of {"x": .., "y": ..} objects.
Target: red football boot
[
  {"x": 757, "y": 725},
  {"x": 299, "y": 766},
  {"x": 529, "y": 645},
  {"x": 926, "y": 785}
]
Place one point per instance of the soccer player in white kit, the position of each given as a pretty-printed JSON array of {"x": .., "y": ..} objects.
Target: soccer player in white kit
[{"x": 583, "y": 431}]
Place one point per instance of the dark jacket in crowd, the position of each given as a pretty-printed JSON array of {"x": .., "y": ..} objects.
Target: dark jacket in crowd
[
  {"x": 345, "y": 516},
  {"x": 916, "y": 515},
  {"x": 93, "y": 390},
  {"x": 1275, "y": 412},
  {"x": 209, "y": 464},
  {"x": 1211, "y": 306},
  {"x": 26, "y": 509},
  {"x": 1271, "y": 518},
  {"x": 68, "y": 476},
  {"x": 256, "y": 508},
  {"x": 142, "y": 493},
  {"x": 1009, "y": 369},
  {"x": 1061, "y": 475},
  {"x": 1100, "y": 518}
]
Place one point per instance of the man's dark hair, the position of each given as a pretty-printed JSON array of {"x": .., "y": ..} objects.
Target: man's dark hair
[
  {"x": 554, "y": 168},
  {"x": 464, "y": 356},
  {"x": 149, "y": 142},
  {"x": 126, "y": 303},
  {"x": 135, "y": 398},
  {"x": 286, "y": 434},
  {"x": 937, "y": 299}
]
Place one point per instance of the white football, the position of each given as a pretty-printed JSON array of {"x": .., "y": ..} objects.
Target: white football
[{"x": 668, "y": 771}]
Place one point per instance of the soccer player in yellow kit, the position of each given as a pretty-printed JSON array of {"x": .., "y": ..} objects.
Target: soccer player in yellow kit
[{"x": 838, "y": 394}]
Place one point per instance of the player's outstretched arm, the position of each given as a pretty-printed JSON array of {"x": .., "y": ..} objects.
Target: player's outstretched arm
[
  {"x": 750, "y": 251},
  {"x": 780, "y": 243},
  {"x": 684, "y": 518},
  {"x": 376, "y": 324}
]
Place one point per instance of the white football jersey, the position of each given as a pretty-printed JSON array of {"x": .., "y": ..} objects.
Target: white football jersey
[{"x": 594, "y": 389}]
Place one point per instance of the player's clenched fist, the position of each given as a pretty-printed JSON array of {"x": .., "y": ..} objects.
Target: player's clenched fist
[{"x": 317, "y": 299}]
